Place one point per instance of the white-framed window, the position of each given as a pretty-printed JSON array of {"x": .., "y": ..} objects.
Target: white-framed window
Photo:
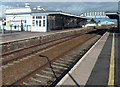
[
  {"x": 39, "y": 23},
  {"x": 43, "y": 23},
  {"x": 36, "y": 22},
  {"x": 33, "y": 17},
  {"x": 38, "y": 17},
  {"x": 43, "y": 17},
  {"x": 33, "y": 22}
]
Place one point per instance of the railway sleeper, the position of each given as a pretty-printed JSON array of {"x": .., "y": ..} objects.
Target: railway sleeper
[
  {"x": 61, "y": 64},
  {"x": 41, "y": 80},
  {"x": 51, "y": 72},
  {"x": 30, "y": 83},
  {"x": 66, "y": 59},
  {"x": 66, "y": 62},
  {"x": 71, "y": 57},
  {"x": 45, "y": 75},
  {"x": 58, "y": 66},
  {"x": 56, "y": 70}
]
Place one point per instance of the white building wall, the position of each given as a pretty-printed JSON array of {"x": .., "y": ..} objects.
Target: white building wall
[
  {"x": 17, "y": 20},
  {"x": 17, "y": 16},
  {"x": 18, "y": 10},
  {"x": 37, "y": 27}
]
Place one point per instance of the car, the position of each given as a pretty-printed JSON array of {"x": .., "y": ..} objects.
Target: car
[{"x": 90, "y": 25}]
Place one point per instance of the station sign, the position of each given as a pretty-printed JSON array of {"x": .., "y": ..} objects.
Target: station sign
[
  {"x": 8, "y": 23},
  {"x": 24, "y": 21},
  {"x": 15, "y": 20}
]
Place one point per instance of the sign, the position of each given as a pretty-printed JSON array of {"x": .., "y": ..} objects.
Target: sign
[
  {"x": 25, "y": 25},
  {"x": 8, "y": 23},
  {"x": 25, "y": 21},
  {"x": 22, "y": 21},
  {"x": 15, "y": 21}
]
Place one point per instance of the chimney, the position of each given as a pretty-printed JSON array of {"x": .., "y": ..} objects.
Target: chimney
[
  {"x": 38, "y": 8},
  {"x": 27, "y": 5}
]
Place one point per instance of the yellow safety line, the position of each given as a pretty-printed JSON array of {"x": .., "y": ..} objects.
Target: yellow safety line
[{"x": 111, "y": 73}]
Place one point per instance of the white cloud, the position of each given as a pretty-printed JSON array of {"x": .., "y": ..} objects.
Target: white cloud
[
  {"x": 70, "y": 7},
  {"x": 2, "y": 10}
]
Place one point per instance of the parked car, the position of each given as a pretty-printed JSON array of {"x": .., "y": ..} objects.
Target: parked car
[{"x": 90, "y": 25}]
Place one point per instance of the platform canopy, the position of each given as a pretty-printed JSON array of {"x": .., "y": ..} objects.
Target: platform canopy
[{"x": 112, "y": 14}]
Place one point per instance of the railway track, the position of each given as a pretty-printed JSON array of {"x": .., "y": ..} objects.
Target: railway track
[
  {"x": 58, "y": 67},
  {"x": 35, "y": 48}
]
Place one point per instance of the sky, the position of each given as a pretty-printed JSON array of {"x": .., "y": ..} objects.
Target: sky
[{"x": 76, "y": 7}]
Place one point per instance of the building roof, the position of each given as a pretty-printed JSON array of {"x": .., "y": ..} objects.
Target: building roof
[
  {"x": 112, "y": 14},
  {"x": 39, "y": 10}
]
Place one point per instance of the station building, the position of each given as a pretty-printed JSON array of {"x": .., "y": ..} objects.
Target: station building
[{"x": 40, "y": 20}]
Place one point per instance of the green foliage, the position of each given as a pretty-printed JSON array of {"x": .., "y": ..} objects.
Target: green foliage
[
  {"x": 99, "y": 21},
  {"x": 92, "y": 21}
]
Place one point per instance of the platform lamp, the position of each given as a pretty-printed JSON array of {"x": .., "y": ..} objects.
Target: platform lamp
[
  {"x": 49, "y": 64},
  {"x": 11, "y": 27}
]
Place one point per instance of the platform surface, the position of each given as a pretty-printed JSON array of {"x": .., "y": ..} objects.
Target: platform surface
[
  {"x": 95, "y": 66},
  {"x": 8, "y": 37},
  {"x": 20, "y": 35}
]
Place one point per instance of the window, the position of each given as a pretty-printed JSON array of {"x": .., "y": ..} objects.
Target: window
[
  {"x": 33, "y": 17},
  {"x": 43, "y": 23},
  {"x": 36, "y": 22},
  {"x": 39, "y": 23},
  {"x": 33, "y": 22},
  {"x": 38, "y": 17},
  {"x": 43, "y": 17}
]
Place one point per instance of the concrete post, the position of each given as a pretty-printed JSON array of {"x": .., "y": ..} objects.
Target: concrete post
[
  {"x": 119, "y": 16},
  {"x": 119, "y": 23},
  {"x": 2, "y": 26}
]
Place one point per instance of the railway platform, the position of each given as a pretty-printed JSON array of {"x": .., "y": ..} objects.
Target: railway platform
[
  {"x": 7, "y": 37},
  {"x": 99, "y": 66},
  {"x": 21, "y": 35}
]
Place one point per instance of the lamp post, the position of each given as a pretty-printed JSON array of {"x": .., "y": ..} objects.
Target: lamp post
[
  {"x": 11, "y": 28},
  {"x": 49, "y": 64}
]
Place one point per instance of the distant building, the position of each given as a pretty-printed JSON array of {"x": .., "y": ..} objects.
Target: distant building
[
  {"x": 106, "y": 23},
  {"x": 94, "y": 14},
  {"x": 40, "y": 20}
]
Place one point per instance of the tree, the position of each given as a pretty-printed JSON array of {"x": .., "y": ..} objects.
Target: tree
[
  {"x": 99, "y": 21},
  {"x": 92, "y": 21}
]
